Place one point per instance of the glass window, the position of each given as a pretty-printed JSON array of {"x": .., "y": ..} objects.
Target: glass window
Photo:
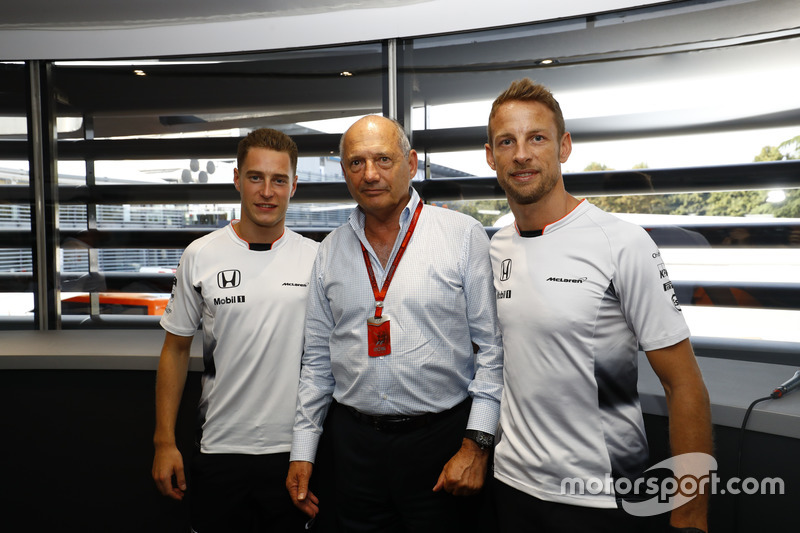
[
  {"x": 643, "y": 100},
  {"x": 178, "y": 123},
  {"x": 646, "y": 90},
  {"x": 16, "y": 237}
]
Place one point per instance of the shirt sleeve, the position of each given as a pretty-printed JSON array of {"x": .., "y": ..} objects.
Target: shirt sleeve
[
  {"x": 185, "y": 307},
  {"x": 316, "y": 378},
  {"x": 486, "y": 387},
  {"x": 646, "y": 294}
]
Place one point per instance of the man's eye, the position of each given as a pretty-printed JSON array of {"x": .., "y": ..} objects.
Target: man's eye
[
  {"x": 505, "y": 142},
  {"x": 538, "y": 138}
]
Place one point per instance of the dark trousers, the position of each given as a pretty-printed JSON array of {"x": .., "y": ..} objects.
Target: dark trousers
[
  {"x": 241, "y": 494},
  {"x": 384, "y": 479},
  {"x": 520, "y": 512}
]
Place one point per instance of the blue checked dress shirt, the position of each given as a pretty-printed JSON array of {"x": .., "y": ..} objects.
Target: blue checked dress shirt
[{"x": 440, "y": 301}]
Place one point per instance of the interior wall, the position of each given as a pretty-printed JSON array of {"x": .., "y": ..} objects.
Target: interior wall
[{"x": 77, "y": 451}]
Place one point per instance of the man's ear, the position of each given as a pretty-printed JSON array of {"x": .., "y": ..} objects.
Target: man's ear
[
  {"x": 489, "y": 156},
  {"x": 566, "y": 147},
  {"x": 413, "y": 162}
]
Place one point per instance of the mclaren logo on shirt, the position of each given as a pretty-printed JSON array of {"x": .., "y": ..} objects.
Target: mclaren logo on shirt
[
  {"x": 505, "y": 270},
  {"x": 229, "y": 279},
  {"x": 567, "y": 280}
]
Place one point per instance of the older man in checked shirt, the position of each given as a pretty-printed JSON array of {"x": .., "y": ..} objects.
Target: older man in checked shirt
[{"x": 398, "y": 298}]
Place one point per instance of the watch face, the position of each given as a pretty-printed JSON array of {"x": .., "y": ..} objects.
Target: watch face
[{"x": 483, "y": 440}]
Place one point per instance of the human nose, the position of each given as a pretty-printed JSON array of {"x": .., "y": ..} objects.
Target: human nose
[
  {"x": 371, "y": 173},
  {"x": 266, "y": 189},
  {"x": 522, "y": 153}
]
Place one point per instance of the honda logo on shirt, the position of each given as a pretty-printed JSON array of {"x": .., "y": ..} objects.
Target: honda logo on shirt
[
  {"x": 228, "y": 279},
  {"x": 505, "y": 269}
]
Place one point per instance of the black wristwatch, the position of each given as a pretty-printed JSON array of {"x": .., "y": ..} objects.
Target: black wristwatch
[
  {"x": 484, "y": 440},
  {"x": 686, "y": 529}
]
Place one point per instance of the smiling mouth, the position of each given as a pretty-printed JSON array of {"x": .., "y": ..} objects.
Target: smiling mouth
[{"x": 522, "y": 174}]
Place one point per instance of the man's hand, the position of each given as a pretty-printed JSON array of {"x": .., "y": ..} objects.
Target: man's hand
[
  {"x": 465, "y": 472},
  {"x": 168, "y": 462},
  {"x": 297, "y": 485}
]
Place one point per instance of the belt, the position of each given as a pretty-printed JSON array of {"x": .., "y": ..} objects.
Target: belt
[{"x": 401, "y": 423}]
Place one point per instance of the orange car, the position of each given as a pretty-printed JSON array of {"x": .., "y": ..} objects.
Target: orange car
[{"x": 117, "y": 303}]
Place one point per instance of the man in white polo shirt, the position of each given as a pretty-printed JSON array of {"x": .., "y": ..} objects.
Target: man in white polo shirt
[
  {"x": 578, "y": 291},
  {"x": 248, "y": 284}
]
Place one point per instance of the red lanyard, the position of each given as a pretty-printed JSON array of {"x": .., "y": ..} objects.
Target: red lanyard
[{"x": 380, "y": 295}]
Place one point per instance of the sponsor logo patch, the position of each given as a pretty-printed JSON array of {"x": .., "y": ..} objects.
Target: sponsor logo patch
[
  {"x": 229, "y": 279},
  {"x": 567, "y": 280},
  {"x": 505, "y": 269},
  {"x": 229, "y": 300}
]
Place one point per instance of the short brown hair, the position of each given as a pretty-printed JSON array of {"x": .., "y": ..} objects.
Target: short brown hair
[
  {"x": 271, "y": 140},
  {"x": 525, "y": 90}
]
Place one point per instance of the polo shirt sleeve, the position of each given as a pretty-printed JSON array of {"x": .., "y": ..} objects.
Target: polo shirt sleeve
[
  {"x": 646, "y": 294},
  {"x": 185, "y": 307}
]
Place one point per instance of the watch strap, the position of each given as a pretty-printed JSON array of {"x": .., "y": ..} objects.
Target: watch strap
[{"x": 484, "y": 440}]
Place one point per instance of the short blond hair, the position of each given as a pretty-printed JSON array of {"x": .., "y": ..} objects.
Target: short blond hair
[{"x": 525, "y": 90}]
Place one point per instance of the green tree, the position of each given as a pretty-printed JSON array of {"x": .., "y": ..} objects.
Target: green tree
[
  {"x": 484, "y": 211},
  {"x": 790, "y": 149},
  {"x": 733, "y": 203},
  {"x": 594, "y": 166},
  {"x": 769, "y": 153},
  {"x": 629, "y": 203},
  {"x": 787, "y": 150}
]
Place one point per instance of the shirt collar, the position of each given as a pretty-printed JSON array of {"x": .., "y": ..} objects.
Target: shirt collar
[
  {"x": 257, "y": 247},
  {"x": 357, "y": 218}
]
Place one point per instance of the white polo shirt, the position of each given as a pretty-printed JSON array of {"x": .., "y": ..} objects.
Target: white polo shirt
[
  {"x": 252, "y": 305},
  {"x": 574, "y": 304}
]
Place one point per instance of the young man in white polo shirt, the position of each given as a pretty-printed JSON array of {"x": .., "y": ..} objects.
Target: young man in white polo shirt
[
  {"x": 578, "y": 291},
  {"x": 247, "y": 283}
]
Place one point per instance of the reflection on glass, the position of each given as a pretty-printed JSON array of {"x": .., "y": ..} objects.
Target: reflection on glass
[
  {"x": 224, "y": 96},
  {"x": 115, "y": 303},
  {"x": 13, "y": 172}
]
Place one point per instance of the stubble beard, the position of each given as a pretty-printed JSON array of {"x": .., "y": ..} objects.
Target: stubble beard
[{"x": 528, "y": 194}]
